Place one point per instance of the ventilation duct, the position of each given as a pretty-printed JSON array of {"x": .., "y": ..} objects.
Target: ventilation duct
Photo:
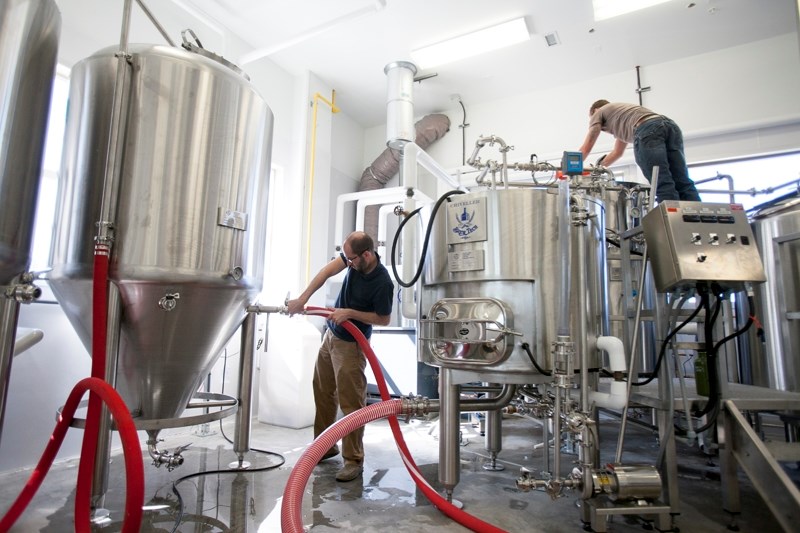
[{"x": 429, "y": 129}]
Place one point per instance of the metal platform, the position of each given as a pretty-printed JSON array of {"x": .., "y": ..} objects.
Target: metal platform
[{"x": 739, "y": 444}]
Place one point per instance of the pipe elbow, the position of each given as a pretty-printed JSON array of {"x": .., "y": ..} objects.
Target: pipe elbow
[
  {"x": 615, "y": 399},
  {"x": 616, "y": 352}
]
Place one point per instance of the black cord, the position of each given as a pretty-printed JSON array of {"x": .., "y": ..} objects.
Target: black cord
[
  {"x": 616, "y": 243},
  {"x": 281, "y": 462},
  {"x": 713, "y": 406},
  {"x": 711, "y": 360},
  {"x": 421, "y": 264},
  {"x": 525, "y": 346},
  {"x": 665, "y": 342}
]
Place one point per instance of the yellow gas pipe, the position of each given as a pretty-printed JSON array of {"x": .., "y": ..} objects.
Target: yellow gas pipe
[{"x": 334, "y": 109}]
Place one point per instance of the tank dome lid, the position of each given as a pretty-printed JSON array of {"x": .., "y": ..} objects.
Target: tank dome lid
[{"x": 197, "y": 48}]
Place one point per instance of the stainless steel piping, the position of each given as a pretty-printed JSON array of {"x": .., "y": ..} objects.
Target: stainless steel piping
[
  {"x": 241, "y": 439},
  {"x": 108, "y": 206},
  {"x": 155, "y": 22},
  {"x": 449, "y": 414},
  {"x": 102, "y": 458},
  {"x": 637, "y": 326}
]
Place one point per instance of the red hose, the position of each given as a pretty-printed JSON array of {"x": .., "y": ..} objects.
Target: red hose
[
  {"x": 291, "y": 507},
  {"x": 130, "y": 447},
  {"x": 83, "y": 490},
  {"x": 438, "y": 501},
  {"x": 100, "y": 392}
]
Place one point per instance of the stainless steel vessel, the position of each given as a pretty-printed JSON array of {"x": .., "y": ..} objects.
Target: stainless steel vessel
[
  {"x": 774, "y": 361},
  {"x": 188, "y": 253},
  {"x": 29, "y": 34},
  {"x": 28, "y": 49},
  {"x": 492, "y": 278}
]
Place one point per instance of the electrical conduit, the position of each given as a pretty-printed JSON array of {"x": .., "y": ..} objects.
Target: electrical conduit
[{"x": 291, "y": 514}]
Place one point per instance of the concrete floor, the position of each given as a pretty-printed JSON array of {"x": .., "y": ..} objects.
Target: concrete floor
[{"x": 385, "y": 496}]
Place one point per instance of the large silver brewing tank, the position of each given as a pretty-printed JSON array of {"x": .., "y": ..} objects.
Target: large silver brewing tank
[
  {"x": 774, "y": 363},
  {"x": 28, "y": 48},
  {"x": 188, "y": 255},
  {"x": 29, "y": 32},
  {"x": 492, "y": 266}
]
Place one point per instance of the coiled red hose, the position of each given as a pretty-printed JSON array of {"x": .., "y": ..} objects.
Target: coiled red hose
[
  {"x": 291, "y": 516},
  {"x": 100, "y": 392},
  {"x": 130, "y": 446}
]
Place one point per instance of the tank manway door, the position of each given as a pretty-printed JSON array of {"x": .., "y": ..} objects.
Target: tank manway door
[{"x": 468, "y": 331}]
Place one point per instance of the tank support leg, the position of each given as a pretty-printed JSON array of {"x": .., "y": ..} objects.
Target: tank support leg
[{"x": 241, "y": 439}]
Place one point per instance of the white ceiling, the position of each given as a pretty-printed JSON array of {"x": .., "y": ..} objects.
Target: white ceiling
[{"x": 347, "y": 43}]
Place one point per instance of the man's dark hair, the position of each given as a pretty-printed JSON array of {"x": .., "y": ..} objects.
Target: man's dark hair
[
  {"x": 360, "y": 242},
  {"x": 597, "y": 105}
]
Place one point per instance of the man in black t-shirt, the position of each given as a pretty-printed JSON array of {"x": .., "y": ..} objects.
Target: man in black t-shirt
[{"x": 339, "y": 381}]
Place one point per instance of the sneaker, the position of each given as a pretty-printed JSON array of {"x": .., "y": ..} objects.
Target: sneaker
[
  {"x": 349, "y": 472},
  {"x": 333, "y": 452}
]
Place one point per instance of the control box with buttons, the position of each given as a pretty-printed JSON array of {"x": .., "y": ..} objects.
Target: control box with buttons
[{"x": 699, "y": 241}]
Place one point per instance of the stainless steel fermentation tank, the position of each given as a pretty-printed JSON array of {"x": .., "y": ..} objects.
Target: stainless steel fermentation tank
[
  {"x": 492, "y": 279},
  {"x": 188, "y": 253},
  {"x": 773, "y": 360},
  {"x": 29, "y": 33}
]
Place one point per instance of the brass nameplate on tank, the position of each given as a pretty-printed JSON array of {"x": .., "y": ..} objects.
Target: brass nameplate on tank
[
  {"x": 231, "y": 219},
  {"x": 465, "y": 260}
]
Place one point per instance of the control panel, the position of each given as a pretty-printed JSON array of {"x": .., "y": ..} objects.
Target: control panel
[{"x": 700, "y": 241}]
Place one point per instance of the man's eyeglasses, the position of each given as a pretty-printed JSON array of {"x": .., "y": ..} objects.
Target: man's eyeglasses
[{"x": 351, "y": 259}]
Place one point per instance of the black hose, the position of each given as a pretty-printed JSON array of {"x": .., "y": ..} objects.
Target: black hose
[
  {"x": 421, "y": 264},
  {"x": 711, "y": 360},
  {"x": 665, "y": 343},
  {"x": 616, "y": 243},
  {"x": 525, "y": 346}
]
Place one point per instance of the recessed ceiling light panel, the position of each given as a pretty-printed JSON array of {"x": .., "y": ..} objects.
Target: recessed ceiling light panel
[{"x": 472, "y": 44}]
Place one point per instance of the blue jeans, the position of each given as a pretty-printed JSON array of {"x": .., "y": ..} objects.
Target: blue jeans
[{"x": 659, "y": 142}]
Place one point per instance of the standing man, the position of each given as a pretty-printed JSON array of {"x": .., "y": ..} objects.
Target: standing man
[
  {"x": 365, "y": 299},
  {"x": 657, "y": 141}
]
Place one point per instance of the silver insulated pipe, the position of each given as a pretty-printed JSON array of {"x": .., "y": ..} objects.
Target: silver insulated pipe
[{"x": 400, "y": 103}]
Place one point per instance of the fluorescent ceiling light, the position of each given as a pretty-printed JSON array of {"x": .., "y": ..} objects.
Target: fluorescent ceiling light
[
  {"x": 606, "y": 9},
  {"x": 471, "y": 44}
]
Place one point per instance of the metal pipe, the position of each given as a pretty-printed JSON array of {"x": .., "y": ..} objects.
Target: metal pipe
[
  {"x": 102, "y": 458},
  {"x": 241, "y": 439},
  {"x": 312, "y": 165},
  {"x": 449, "y": 417},
  {"x": 557, "y": 436},
  {"x": 155, "y": 22},
  {"x": 562, "y": 326},
  {"x": 9, "y": 315},
  {"x": 637, "y": 326},
  {"x": 108, "y": 206},
  {"x": 581, "y": 297},
  {"x": 212, "y": 403},
  {"x": 503, "y": 398},
  {"x": 721, "y": 177},
  {"x": 493, "y": 440},
  {"x": 546, "y": 443},
  {"x": 27, "y": 341}
]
